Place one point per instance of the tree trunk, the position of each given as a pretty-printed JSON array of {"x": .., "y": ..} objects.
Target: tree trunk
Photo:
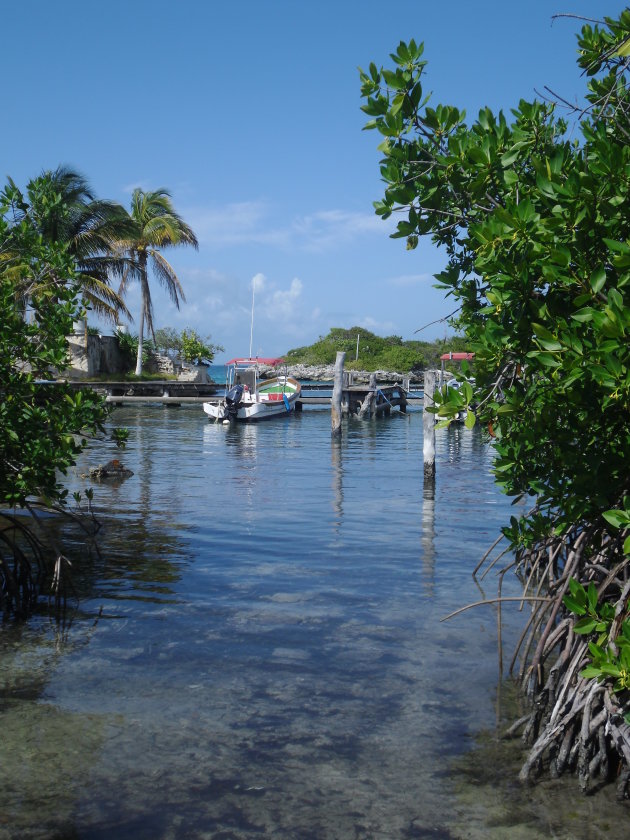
[
  {"x": 145, "y": 308},
  {"x": 140, "y": 342}
]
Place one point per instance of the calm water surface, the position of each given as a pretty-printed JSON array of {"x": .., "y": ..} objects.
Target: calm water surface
[{"x": 258, "y": 652}]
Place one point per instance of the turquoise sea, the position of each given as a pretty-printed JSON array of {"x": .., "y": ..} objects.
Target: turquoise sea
[
  {"x": 258, "y": 650},
  {"x": 217, "y": 373}
]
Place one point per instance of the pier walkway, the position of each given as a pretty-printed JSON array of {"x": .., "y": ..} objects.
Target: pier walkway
[{"x": 383, "y": 398}]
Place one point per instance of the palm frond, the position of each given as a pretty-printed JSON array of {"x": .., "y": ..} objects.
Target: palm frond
[
  {"x": 128, "y": 269},
  {"x": 99, "y": 295},
  {"x": 156, "y": 225},
  {"x": 167, "y": 277},
  {"x": 99, "y": 226},
  {"x": 99, "y": 304},
  {"x": 160, "y": 231}
]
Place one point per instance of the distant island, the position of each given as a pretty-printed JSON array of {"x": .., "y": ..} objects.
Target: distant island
[{"x": 371, "y": 352}]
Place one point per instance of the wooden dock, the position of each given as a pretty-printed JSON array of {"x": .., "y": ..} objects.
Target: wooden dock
[
  {"x": 166, "y": 392},
  {"x": 356, "y": 399},
  {"x": 359, "y": 399},
  {"x": 381, "y": 400}
]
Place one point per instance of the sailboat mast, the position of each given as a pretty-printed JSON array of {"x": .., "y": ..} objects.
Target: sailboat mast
[{"x": 251, "y": 330}]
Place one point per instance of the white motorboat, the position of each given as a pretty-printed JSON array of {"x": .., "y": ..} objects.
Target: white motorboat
[{"x": 249, "y": 398}]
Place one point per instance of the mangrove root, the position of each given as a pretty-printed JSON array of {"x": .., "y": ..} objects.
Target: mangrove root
[{"x": 574, "y": 723}]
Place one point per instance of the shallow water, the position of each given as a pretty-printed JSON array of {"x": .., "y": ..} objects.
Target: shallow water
[{"x": 259, "y": 650}]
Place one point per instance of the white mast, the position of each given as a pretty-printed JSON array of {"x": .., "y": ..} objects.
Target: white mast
[{"x": 251, "y": 331}]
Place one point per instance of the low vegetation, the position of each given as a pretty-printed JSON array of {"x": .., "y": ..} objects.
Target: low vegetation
[
  {"x": 187, "y": 345},
  {"x": 374, "y": 352}
]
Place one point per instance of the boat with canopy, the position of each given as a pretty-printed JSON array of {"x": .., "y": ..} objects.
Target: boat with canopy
[{"x": 249, "y": 398}]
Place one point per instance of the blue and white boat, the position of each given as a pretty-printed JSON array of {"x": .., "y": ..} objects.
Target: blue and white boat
[{"x": 249, "y": 398}]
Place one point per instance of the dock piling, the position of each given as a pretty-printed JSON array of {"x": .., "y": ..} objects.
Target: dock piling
[
  {"x": 369, "y": 403},
  {"x": 428, "y": 425},
  {"x": 335, "y": 404}
]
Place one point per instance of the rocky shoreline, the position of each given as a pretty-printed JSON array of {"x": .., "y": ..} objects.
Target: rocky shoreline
[{"x": 326, "y": 373}]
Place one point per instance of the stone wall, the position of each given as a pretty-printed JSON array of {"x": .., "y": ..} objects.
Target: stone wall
[
  {"x": 162, "y": 364},
  {"x": 92, "y": 355},
  {"x": 194, "y": 373}
]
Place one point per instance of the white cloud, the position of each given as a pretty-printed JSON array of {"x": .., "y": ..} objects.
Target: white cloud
[
  {"x": 374, "y": 325},
  {"x": 258, "y": 282},
  {"x": 283, "y": 303},
  {"x": 330, "y": 228},
  {"x": 251, "y": 222},
  {"x": 407, "y": 280},
  {"x": 220, "y": 305},
  {"x": 142, "y": 184},
  {"x": 234, "y": 224}
]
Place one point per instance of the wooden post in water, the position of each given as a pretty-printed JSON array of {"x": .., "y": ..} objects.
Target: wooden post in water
[
  {"x": 335, "y": 403},
  {"x": 428, "y": 425},
  {"x": 369, "y": 402}
]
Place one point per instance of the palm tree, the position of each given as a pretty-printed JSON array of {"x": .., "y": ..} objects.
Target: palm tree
[
  {"x": 61, "y": 206},
  {"x": 156, "y": 225}
]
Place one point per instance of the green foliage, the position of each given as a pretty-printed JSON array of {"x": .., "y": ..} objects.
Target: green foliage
[
  {"x": 128, "y": 345},
  {"x": 535, "y": 227},
  {"x": 168, "y": 341},
  {"x": 186, "y": 344},
  {"x": 61, "y": 206},
  {"x": 610, "y": 658},
  {"x": 42, "y": 427},
  {"x": 194, "y": 348},
  {"x": 375, "y": 353}
]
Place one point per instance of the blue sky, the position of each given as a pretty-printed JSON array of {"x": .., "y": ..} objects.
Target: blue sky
[{"x": 249, "y": 113}]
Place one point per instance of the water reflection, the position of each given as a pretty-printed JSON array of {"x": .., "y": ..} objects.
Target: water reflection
[
  {"x": 242, "y": 452},
  {"x": 464, "y": 443},
  {"x": 337, "y": 481},
  {"x": 270, "y": 659},
  {"x": 428, "y": 532}
]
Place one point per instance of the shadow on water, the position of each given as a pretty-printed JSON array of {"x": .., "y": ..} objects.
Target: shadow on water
[{"x": 261, "y": 652}]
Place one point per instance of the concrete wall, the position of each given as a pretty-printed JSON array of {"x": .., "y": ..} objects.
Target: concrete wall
[
  {"x": 104, "y": 351},
  {"x": 91, "y": 355}
]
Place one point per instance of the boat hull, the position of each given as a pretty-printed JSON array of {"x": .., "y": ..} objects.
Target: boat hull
[{"x": 273, "y": 398}]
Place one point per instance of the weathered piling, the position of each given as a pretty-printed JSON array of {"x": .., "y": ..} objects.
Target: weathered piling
[
  {"x": 335, "y": 404},
  {"x": 428, "y": 425},
  {"x": 367, "y": 407}
]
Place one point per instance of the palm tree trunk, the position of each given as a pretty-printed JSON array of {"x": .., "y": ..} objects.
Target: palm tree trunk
[
  {"x": 144, "y": 288},
  {"x": 140, "y": 342}
]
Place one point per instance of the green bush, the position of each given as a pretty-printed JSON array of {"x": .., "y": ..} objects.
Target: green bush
[
  {"x": 375, "y": 352},
  {"x": 128, "y": 345}
]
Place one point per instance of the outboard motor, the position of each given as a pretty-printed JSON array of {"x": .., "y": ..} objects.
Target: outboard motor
[{"x": 232, "y": 402}]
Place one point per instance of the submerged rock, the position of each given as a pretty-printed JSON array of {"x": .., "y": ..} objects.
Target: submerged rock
[{"x": 112, "y": 469}]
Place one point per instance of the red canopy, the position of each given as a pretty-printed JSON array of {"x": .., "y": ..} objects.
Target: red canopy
[
  {"x": 457, "y": 357},
  {"x": 258, "y": 360}
]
